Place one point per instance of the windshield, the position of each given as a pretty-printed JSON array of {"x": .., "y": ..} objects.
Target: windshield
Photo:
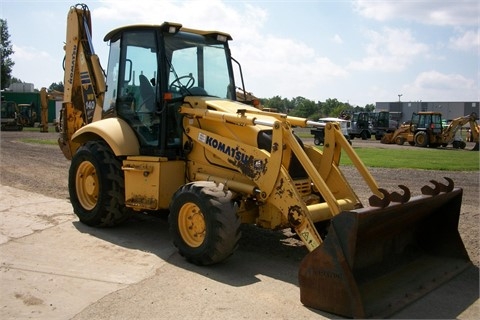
[{"x": 198, "y": 66}]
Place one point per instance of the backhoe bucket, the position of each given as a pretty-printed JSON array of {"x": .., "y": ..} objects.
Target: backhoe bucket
[{"x": 374, "y": 261}]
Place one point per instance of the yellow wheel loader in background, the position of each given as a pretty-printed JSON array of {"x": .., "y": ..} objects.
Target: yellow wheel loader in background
[{"x": 168, "y": 134}]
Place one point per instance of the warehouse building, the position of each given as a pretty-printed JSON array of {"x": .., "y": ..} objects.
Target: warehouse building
[{"x": 402, "y": 111}]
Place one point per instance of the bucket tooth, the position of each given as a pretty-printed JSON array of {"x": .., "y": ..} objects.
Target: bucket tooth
[
  {"x": 376, "y": 201},
  {"x": 429, "y": 191},
  {"x": 397, "y": 197},
  {"x": 446, "y": 188}
]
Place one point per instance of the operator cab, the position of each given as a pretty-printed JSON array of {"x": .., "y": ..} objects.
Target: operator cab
[{"x": 152, "y": 68}]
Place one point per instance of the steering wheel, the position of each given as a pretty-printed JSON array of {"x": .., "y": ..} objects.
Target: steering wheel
[{"x": 179, "y": 86}]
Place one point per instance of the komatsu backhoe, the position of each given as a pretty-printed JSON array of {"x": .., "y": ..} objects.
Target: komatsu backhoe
[{"x": 163, "y": 131}]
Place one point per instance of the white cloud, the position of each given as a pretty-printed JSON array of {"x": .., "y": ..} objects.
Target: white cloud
[
  {"x": 212, "y": 14},
  {"x": 276, "y": 66},
  {"x": 436, "y": 86},
  {"x": 337, "y": 39},
  {"x": 33, "y": 63},
  {"x": 23, "y": 54},
  {"x": 389, "y": 50},
  {"x": 441, "y": 13},
  {"x": 469, "y": 40}
]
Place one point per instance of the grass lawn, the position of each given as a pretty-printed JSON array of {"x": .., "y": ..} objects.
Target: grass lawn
[{"x": 421, "y": 158}]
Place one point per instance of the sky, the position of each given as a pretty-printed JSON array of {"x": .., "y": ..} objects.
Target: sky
[{"x": 359, "y": 52}]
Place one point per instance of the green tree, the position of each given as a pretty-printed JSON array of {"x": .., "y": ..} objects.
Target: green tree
[
  {"x": 5, "y": 52},
  {"x": 369, "y": 107},
  {"x": 283, "y": 105},
  {"x": 56, "y": 86},
  {"x": 15, "y": 80},
  {"x": 305, "y": 108},
  {"x": 328, "y": 106}
]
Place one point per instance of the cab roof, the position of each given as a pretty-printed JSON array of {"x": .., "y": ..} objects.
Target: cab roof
[{"x": 167, "y": 27}]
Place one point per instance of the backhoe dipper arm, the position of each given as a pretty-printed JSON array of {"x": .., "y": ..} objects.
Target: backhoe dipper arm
[
  {"x": 451, "y": 130},
  {"x": 84, "y": 79}
]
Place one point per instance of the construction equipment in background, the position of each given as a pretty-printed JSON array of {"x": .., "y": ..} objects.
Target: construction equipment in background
[
  {"x": 360, "y": 126},
  {"x": 45, "y": 96},
  {"x": 450, "y": 134},
  {"x": 424, "y": 129},
  {"x": 319, "y": 132},
  {"x": 427, "y": 129},
  {"x": 169, "y": 135},
  {"x": 10, "y": 116},
  {"x": 44, "y": 110},
  {"x": 27, "y": 116},
  {"x": 399, "y": 136},
  {"x": 383, "y": 123}
]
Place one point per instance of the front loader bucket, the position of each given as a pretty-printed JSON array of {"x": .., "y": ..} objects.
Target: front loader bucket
[{"x": 374, "y": 261}]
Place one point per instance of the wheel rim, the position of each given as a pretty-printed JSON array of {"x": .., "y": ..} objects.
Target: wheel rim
[
  {"x": 191, "y": 224},
  {"x": 420, "y": 139},
  {"x": 86, "y": 184}
]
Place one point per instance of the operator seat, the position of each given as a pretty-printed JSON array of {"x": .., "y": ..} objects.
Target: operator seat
[{"x": 147, "y": 93}]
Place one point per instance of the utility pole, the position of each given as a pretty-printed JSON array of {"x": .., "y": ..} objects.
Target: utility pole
[{"x": 399, "y": 96}]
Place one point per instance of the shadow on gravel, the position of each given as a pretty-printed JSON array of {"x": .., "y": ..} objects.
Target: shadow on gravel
[{"x": 277, "y": 255}]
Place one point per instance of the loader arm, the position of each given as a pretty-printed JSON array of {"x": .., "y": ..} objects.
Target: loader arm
[
  {"x": 267, "y": 168},
  {"x": 84, "y": 82}
]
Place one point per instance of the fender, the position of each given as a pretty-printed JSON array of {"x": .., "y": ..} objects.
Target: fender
[{"x": 116, "y": 133}]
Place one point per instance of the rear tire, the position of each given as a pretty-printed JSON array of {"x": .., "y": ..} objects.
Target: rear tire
[
  {"x": 96, "y": 186},
  {"x": 203, "y": 222}
]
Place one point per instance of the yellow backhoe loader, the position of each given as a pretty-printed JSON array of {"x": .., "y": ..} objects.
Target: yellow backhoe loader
[
  {"x": 45, "y": 97},
  {"x": 168, "y": 134},
  {"x": 423, "y": 135},
  {"x": 450, "y": 132},
  {"x": 9, "y": 117}
]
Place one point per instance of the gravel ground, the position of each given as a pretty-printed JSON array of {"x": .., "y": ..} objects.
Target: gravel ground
[{"x": 42, "y": 168}]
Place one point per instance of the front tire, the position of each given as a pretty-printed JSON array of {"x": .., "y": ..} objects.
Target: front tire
[
  {"x": 421, "y": 139},
  {"x": 203, "y": 222},
  {"x": 400, "y": 141},
  {"x": 96, "y": 186}
]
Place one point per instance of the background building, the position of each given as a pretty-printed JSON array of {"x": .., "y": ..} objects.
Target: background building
[{"x": 402, "y": 111}]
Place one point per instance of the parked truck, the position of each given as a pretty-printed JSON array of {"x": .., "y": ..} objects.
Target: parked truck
[
  {"x": 319, "y": 132},
  {"x": 361, "y": 126}
]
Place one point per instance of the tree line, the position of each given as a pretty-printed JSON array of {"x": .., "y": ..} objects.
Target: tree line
[{"x": 305, "y": 108}]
